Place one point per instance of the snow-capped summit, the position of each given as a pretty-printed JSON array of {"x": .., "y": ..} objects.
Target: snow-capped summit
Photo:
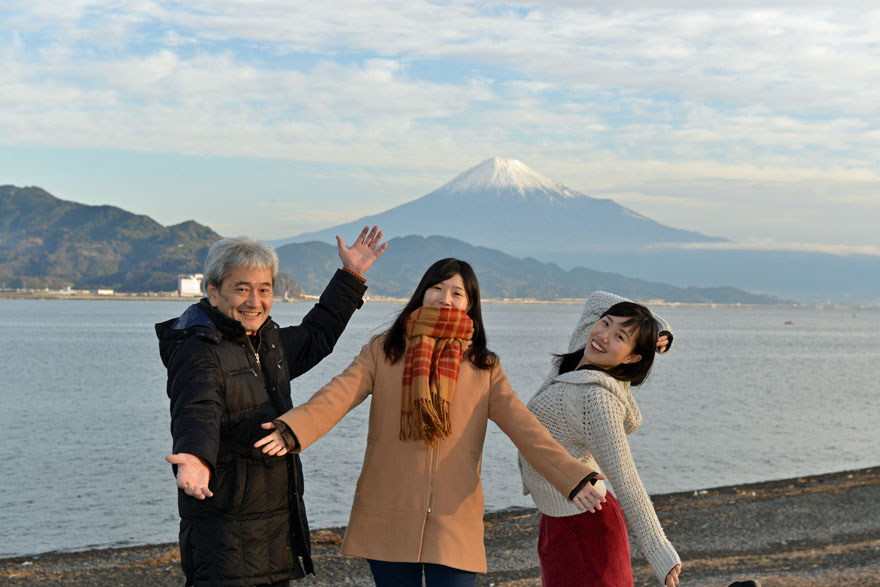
[{"x": 505, "y": 174}]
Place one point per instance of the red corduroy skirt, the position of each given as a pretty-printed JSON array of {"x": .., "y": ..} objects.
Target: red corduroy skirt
[{"x": 586, "y": 549}]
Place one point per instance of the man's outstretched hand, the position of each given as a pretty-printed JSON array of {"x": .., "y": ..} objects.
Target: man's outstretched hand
[
  {"x": 366, "y": 249},
  {"x": 193, "y": 474}
]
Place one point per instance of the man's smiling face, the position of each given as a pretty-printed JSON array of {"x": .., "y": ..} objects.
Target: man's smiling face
[{"x": 245, "y": 295}]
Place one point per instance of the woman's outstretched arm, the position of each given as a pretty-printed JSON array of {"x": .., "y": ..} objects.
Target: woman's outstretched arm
[{"x": 310, "y": 421}]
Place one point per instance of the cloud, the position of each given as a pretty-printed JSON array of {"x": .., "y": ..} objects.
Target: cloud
[
  {"x": 679, "y": 80},
  {"x": 771, "y": 245},
  {"x": 679, "y": 112},
  {"x": 791, "y": 58}
]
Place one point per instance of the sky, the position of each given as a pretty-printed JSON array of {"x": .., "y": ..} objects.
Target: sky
[{"x": 758, "y": 123}]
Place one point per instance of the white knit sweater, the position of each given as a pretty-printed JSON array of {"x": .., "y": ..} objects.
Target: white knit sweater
[{"x": 590, "y": 413}]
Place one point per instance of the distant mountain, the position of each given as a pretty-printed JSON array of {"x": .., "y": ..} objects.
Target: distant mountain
[
  {"x": 503, "y": 204},
  {"x": 398, "y": 271},
  {"x": 809, "y": 277},
  {"x": 48, "y": 242}
]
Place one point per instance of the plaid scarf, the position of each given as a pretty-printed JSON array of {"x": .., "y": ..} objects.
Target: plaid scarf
[{"x": 437, "y": 338}]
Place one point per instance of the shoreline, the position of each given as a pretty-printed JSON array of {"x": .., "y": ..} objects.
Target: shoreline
[
  {"x": 803, "y": 531},
  {"x": 169, "y": 297}
]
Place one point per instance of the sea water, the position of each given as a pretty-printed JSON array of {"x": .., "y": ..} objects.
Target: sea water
[{"x": 746, "y": 394}]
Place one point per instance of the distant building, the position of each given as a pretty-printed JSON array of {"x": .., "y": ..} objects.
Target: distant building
[
  {"x": 105, "y": 292},
  {"x": 189, "y": 285}
]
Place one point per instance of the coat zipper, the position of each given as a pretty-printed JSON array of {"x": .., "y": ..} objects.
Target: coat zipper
[{"x": 432, "y": 476}]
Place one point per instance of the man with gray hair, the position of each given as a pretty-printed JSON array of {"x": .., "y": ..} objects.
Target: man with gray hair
[{"x": 242, "y": 515}]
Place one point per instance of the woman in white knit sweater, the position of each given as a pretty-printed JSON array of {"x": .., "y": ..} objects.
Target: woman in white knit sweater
[{"x": 587, "y": 405}]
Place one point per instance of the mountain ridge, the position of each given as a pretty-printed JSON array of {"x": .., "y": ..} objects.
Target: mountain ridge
[
  {"x": 501, "y": 275},
  {"x": 47, "y": 242}
]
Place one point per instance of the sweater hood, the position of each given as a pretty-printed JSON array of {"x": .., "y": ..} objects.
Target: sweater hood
[{"x": 589, "y": 316}]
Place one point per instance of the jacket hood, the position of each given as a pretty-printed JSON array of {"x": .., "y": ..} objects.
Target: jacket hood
[
  {"x": 194, "y": 315},
  {"x": 198, "y": 318}
]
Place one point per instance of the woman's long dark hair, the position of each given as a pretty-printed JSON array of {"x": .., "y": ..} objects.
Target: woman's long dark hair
[
  {"x": 644, "y": 338},
  {"x": 395, "y": 340}
]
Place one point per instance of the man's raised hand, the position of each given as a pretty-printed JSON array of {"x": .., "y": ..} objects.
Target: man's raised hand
[{"x": 367, "y": 248}]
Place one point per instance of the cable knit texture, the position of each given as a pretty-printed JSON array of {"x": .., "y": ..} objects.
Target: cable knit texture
[{"x": 590, "y": 413}]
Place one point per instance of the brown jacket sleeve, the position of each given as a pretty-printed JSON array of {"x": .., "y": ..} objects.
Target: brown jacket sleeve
[
  {"x": 532, "y": 439},
  {"x": 313, "y": 419}
]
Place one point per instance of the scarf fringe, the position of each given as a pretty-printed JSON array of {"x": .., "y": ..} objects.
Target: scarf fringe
[{"x": 429, "y": 423}]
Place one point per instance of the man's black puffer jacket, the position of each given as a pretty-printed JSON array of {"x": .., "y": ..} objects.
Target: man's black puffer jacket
[{"x": 223, "y": 384}]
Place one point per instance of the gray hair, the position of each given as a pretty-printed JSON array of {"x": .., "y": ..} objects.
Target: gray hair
[{"x": 239, "y": 251}]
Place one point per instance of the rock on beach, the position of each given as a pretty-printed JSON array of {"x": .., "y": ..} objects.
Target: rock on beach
[{"x": 804, "y": 532}]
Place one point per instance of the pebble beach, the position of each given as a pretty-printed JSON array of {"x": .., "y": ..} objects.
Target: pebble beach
[{"x": 807, "y": 531}]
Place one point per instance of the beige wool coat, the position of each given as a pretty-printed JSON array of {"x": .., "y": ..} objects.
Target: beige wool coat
[{"x": 414, "y": 502}]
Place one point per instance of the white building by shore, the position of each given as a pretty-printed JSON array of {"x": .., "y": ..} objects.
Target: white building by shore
[{"x": 189, "y": 285}]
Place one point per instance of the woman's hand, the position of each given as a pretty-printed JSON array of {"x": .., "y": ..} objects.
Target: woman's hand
[
  {"x": 672, "y": 577},
  {"x": 588, "y": 498},
  {"x": 273, "y": 444},
  {"x": 662, "y": 343}
]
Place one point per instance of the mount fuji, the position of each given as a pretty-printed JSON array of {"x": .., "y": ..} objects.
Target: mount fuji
[{"x": 505, "y": 205}]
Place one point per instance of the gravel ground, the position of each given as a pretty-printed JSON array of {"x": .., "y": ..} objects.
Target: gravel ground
[{"x": 802, "y": 532}]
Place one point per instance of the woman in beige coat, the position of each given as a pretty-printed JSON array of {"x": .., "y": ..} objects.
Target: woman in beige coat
[{"x": 418, "y": 505}]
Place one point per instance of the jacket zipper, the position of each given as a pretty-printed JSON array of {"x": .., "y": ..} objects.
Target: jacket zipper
[
  {"x": 254, "y": 351},
  {"x": 258, "y": 372}
]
